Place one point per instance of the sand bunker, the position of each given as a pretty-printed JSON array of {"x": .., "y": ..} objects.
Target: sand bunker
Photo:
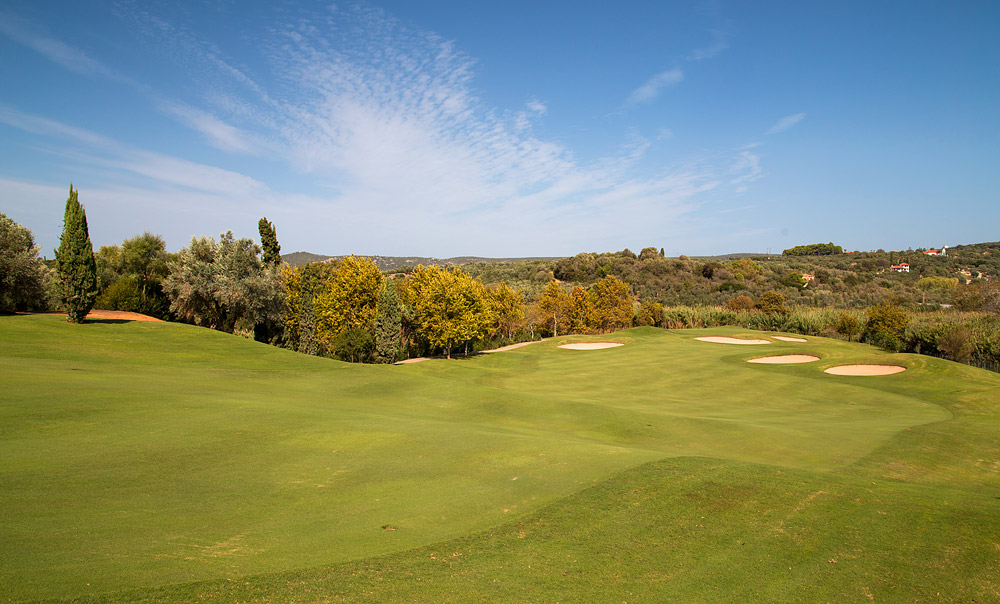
[
  {"x": 865, "y": 369},
  {"x": 728, "y": 340},
  {"x": 590, "y": 345},
  {"x": 120, "y": 315},
  {"x": 787, "y": 358},
  {"x": 789, "y": 339}
]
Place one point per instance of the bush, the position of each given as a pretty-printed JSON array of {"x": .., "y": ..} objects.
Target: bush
[
  {"x": 848, "y": 325},
  {"x": 772, "y": 302},
  {"x": 740, "y": 303},
  {"x": 123, "y": 294},
  {"x": 886, "y": 326}
]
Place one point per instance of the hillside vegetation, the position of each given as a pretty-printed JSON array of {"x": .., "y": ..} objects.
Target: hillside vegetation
[{"x": 158, "y": 462}]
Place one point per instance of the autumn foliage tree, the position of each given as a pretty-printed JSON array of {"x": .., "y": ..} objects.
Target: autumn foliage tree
[
  {"x": 554, "y": 305},
  {"x": 580, "y": 315},
  {"x": 302, "y": 284},
  {"x": 345, "y": 307},
  {"x": 506, "y": 307},
  {"x": 450, "y": 307},
  {"x": 613, "y": 304}
]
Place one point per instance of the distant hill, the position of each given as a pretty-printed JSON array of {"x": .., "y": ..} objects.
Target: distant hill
[
  {"x": 734, "y": 256},
  {"x": 390, "y": 263}
]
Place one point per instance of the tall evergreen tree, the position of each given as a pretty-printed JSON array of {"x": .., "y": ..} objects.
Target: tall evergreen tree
[
  {"x": 388, "y": 320},
  {"x": 269, "y": 242},
  {"x": 75, "y": 261}
]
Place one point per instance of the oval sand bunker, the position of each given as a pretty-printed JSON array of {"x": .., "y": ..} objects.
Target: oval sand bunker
[
  {"x": 728, "y": 340},
  {"x": 789, "y": 339},
  {"x": 590, "y": 345},
  {"x": 786, "y": 358},
  {"x": 865, "y": 370}
]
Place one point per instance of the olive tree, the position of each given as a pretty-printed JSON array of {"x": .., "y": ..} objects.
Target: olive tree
[{"x": 21, "y": 270}]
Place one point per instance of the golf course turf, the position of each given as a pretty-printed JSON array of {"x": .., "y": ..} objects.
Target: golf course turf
[{"x": 158, "y": 462}]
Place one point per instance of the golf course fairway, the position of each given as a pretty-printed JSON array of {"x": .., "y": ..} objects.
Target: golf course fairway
[{"x": 160, "y": 462}]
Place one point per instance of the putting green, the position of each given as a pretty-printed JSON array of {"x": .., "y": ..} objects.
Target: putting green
[{"x": 141, "y": 455}]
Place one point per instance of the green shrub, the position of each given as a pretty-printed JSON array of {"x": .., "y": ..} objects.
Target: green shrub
[
  {"x": 123, "y": 294},
  {"x": 848, "y": 325},
  {"x": 886, "y": 326}
]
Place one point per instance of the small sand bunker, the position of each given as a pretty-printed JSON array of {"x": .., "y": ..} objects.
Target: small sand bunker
[
  {"x": 120, "y": 315},
  {"x": 728, "y": 340},
  {"x": 590, "y": 345},
  {"x": 789, "y": 339},
  {"x": 865, "y": 369},
  {"x": 786, "y": 358}
]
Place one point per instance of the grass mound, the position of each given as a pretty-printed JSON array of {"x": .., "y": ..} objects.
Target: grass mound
[{"x": 160, "y": 462}]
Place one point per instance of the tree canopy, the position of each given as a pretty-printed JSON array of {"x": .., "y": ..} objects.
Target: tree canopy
[
  {"x": 21, "y": 270},
  {"x": 450, "y": 307},
  {"x": 814, "y": 249},
  {"x": 224, "y": 286}
]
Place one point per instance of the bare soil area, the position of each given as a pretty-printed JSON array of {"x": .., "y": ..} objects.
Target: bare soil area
[
  {"x": 120, "y": 315},
  {"x": 789, "y": 339}
]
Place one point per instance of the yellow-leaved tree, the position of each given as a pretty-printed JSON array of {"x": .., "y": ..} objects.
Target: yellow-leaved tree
[
  {"x": 581, "y": 313},
  {"x": 450, "y": 307},
  {"x": 555, "y": 306},
  {"x": 613, "y": 304},
  {"x": 302, "y": 284},
  {"x": 345, "y": 306},
  {"x": 507, "y": 308}
]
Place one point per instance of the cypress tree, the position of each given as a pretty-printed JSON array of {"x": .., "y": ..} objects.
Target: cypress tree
[
  {"x": 75, "y": 261},
  {"x": 388, "y": 319},
  {"x": 269, "y": 242}
]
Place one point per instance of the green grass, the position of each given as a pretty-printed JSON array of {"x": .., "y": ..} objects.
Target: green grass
[{"x": 146, "y": 462}]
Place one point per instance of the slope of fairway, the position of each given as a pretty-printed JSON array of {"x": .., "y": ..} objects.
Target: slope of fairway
[{"x": 144, "y": 455}]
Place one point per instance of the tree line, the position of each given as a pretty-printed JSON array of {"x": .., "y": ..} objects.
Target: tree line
[{"x": 349, "y": 309}]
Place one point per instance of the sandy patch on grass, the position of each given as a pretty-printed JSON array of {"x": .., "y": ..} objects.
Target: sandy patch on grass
[
  {"x": 590, "y": 345},
  {"x": 789, "y": 339},
  {"x": 865, "y": 369},
  {"x": 787, "y": 358},
  {"x": 120, "y": 315},
  {"x": 514, "y": 346},
  {"x": 728, "y": 340}
]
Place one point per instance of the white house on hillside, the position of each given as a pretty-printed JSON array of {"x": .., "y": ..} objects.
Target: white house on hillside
[
  {"x": 942, "y": 252},
  {"x": 902, "y": 267}
]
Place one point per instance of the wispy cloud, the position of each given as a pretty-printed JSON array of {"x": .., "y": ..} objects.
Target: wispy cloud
[
  {"x": 719, "y": 43},
  {"x": 383, "y": 129},
  {"x": 91, "y": 148},
  {"x": 218, "y": 133},
  {"x": 746, "y": 168},
  {"x": 785, "y": 123},
  {"x": 654, "y": 86},
  {"x": 57, "y": 51}
]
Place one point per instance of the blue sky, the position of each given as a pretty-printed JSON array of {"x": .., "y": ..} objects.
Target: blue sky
[{"x": 506, "y": 129}]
